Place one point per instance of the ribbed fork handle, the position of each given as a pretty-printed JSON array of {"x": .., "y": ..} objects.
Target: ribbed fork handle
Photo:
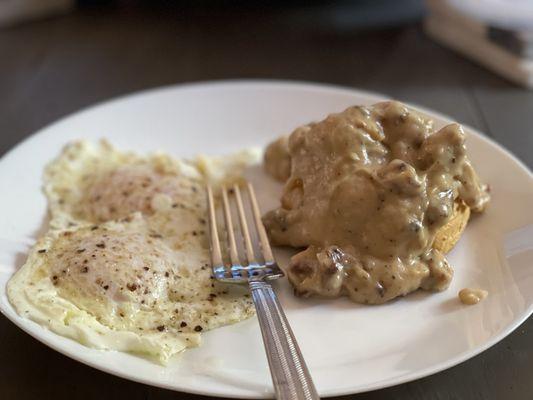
[{"x": 289, "y": 373}]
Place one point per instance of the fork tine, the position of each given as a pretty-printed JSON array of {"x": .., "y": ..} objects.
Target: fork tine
[
  {"x": 250, "y": 256},
  {"x": 234, "y": 257},
  {"x": 216, "y": 254},
  {"x": 263, "y": 238}
]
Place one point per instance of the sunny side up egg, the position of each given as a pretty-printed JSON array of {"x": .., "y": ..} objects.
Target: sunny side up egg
[{"x": 125, "y": 263}]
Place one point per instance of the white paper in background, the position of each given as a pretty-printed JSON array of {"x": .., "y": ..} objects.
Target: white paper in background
[{"x": 509, "y": 14}]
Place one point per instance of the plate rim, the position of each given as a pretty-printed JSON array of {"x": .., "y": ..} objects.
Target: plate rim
[
  {"x": 262, "y": 82},
  {"x": 33, "y": 331}
]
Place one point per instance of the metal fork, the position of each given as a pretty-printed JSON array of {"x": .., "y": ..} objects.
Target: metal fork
[{"x": 290, "y": 375}]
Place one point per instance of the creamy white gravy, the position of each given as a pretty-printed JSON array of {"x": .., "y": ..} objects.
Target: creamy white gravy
[
  {"x": 472, "y": 296},
  {"x": 366, "y": 190}
]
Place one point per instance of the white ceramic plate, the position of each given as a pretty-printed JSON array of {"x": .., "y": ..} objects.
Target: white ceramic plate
[{"x": 349, "y": 348}]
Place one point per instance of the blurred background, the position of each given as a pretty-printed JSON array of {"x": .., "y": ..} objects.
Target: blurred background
[
  {"x": 469, "y": 59},
  {"x": 57, "y": 56}
]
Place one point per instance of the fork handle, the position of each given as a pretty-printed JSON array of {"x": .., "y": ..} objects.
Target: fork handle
[{"x": 290, "y": 375}]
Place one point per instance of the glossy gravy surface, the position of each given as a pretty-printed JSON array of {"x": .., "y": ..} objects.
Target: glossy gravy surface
[
  {"x": 470, "y": 296},
  {"x": 366, "y": 190}
]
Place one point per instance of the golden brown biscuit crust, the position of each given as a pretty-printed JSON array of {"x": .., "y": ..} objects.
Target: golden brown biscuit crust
[{"x": 449, "y": 234}]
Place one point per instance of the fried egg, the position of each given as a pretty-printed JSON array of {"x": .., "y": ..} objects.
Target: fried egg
[{"x": 125, "y": 264}]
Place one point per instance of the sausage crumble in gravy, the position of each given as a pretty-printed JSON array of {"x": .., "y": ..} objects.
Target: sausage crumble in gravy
[{"x": 365, "y": 192}]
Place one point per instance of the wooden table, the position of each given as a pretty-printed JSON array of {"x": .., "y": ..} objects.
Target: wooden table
[{"x": 51, "y": 68}]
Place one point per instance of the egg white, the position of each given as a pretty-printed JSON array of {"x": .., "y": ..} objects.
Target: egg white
[{"x": 125, "y": 263}]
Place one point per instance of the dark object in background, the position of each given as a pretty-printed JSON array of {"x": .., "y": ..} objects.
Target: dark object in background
[
  {"x": 517, "y": 42},
  {"x": 92, "y": 3},
  {"x": 341, "y": 15},
  {"x": 362, "y": 14},
  {"x": 326, "y": 16}
]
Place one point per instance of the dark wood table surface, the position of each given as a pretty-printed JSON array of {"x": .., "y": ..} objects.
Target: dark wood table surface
[{"x": 54, "y": 67}]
